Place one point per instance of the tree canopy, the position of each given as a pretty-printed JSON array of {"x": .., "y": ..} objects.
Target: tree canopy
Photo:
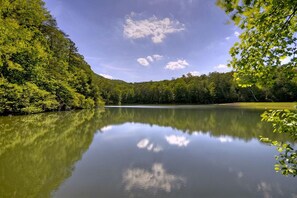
[
  {"x": 40, "y": 67},
  {"x": 205, "y": 89},
  {"x": 268, "y": 37}
]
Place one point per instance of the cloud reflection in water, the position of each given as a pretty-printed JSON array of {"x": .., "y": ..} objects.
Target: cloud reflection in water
[
  {"x": 180, "y": 141},
  {"x": 156, "y": 179},
  {"x": 145, "y": 144},
  {"x": 225, "y": 139}
]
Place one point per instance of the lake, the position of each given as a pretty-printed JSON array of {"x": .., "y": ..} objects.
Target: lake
[{"x": 140, "y": 151}]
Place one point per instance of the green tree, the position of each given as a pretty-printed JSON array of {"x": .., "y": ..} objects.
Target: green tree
[
  {"x": 40, "y": 68},
  {"x": 268, "y": 36}
]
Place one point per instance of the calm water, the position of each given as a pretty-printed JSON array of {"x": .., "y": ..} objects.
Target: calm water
[{"x": 185, "y": 152}]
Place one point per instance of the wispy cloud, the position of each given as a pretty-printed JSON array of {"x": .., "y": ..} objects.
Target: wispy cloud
[
  {"x": 222, "y": 68},
  {"x": 116, "y": 68},
  {"x": 156, "y": 29},
  {"x": 149, "y": 59},
  {"x": 236, "y": 34},
  {"x": 228, "y": 38},
  {"x": 106, "y": 76},
  {"x": 157, "y": 57},
  {"x": 143, "y": 61},
  {"x": 179, "y": 64},
  {"x": 195, "y": 73}
]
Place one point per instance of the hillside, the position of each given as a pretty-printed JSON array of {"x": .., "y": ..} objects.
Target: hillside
[{"x": 40, "y": 67}]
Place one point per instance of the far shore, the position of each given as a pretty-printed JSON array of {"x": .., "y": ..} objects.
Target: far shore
[
  {"x": 246, "y": 105},
  {"x": 264, "y": 105}
]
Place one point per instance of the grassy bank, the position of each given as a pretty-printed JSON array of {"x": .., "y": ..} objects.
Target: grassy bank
[{"x": 264, "y": 105}]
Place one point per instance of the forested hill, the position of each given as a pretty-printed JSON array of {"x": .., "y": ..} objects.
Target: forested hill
[
  {"x": 40, "y": 67},
  {"x": 204, "y": 89},
  {"x": 41, "y": 70}
]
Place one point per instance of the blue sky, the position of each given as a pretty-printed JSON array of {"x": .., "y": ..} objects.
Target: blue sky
[{"x": 143, "y": 40}]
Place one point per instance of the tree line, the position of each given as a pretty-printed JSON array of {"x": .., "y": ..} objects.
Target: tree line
[{"x": 205, "y": 89}]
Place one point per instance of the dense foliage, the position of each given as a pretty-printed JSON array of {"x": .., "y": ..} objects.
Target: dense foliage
[
  {"x": 43, "y": 153},
  {"x": 204, "y": 89},
  {"x": 268, "y": 36},
  {"x": 40, "y": 67}
]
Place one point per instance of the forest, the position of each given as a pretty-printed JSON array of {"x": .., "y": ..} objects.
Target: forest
[
  {"x": 213, "y": 88},
  {"x": 41, "y": 70},
  {"x": 40, "y": 67}
]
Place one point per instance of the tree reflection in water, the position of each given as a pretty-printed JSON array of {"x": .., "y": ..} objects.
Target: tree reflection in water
[{"x": 38, "y": 152}]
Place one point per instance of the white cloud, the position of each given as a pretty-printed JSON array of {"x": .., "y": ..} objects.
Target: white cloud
[
  {"x": 236, "y": 34},
  {"x": 106, "y": 76},
  {"x": 195, "y": 73},
  {"x": 149, "y": 58},
  {"x": 157, "y": 57},
  {"x": 222, "y": 68},
  {"x": 156, "y": 29},
  {"x": 179, "y": 64},
  {"x": 107, "y": 128},
  {"x": 228, "y": 38},
  {"x": 146, "y": 61},
  {"x": 155, "y": 179},
  {"x": 145, "y": 144},
  {"x": 180, "y": 141},
  {"x": 143, "y": 61}
]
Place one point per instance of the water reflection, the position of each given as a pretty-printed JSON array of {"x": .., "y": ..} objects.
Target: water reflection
[
  {"x": 155, "y": 179},
  {"x": 225, "y": 139},
  {"x": 180, "y": 141},
  {"x": 38, "y": 151},
  {"x": 238, "y": 173},
  {"x": 145, "y": 144},
  {"x": 267, "y": 190},
  {"x": 217, "y": 122},
  {"x": 124, "y": 152}
]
